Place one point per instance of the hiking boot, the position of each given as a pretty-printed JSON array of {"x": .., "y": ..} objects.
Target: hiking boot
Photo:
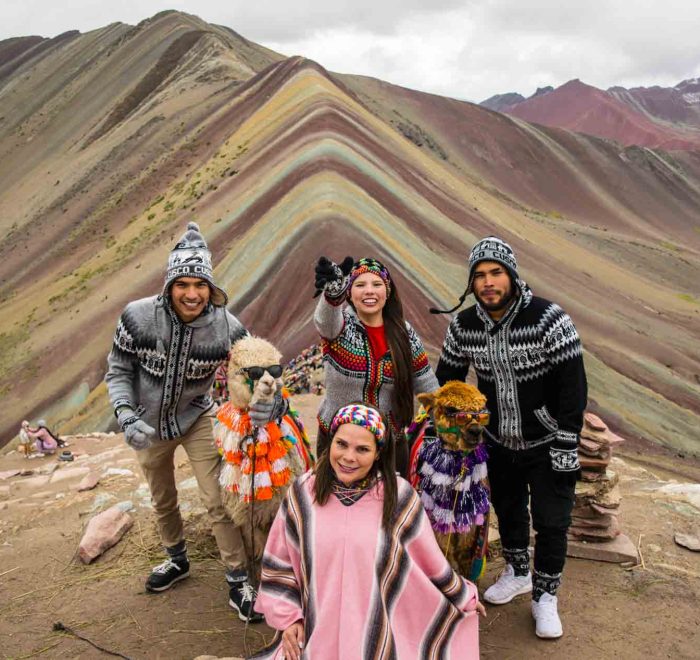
[
  {"x": 165, "y": 575},
  {"x": 242, "y": 597},
  {"x": 508, "y": 586},
  {"x": 547, "y": 621}
]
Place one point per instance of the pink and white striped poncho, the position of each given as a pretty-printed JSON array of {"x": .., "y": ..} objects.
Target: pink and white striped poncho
[{"x": 363, "y": 593}]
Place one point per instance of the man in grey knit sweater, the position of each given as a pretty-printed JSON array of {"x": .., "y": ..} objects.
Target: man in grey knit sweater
[{"x": 160, "y": 370}]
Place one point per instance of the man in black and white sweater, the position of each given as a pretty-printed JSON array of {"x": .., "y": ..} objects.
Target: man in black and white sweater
[{"x": 528, "y": 360}]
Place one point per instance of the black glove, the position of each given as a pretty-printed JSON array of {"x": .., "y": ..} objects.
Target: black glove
[{"x": 331, "y": 278}]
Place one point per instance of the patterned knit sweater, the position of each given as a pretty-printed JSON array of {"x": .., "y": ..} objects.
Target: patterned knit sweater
[
  {"x": 352, "y": 374},
  {"x": 164, "y": 368},
  {"x": 529, "y": 365}
]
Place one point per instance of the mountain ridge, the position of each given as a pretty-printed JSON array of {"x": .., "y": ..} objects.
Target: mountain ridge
[{"x": 657, "y": 117}]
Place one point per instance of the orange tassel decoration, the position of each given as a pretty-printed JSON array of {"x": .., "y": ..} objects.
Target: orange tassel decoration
[{"x": 279, "y": 452}]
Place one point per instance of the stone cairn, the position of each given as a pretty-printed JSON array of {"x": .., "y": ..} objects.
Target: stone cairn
[
  {"x": 595, "y": 514},
  {"x": 304, "y": 373}
]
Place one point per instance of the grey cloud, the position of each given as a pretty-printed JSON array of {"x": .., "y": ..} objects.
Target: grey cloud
[
  {"x": 461, "y": 48},
  {"x": 604, "y": 42},
  {"x": 265, "y": 19}
]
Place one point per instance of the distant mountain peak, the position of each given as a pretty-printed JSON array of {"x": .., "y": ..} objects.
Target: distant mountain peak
[
  {"x": 499, "y": 102},
  {"x": 576, "y": 83},
  {"x": 657, "y": 117},
  {"x": 541, "y": 91}
]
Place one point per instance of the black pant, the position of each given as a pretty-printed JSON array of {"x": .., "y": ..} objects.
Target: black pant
[
  {"x": 513, "y": 476},
  {"x": 323, "y": 442}
]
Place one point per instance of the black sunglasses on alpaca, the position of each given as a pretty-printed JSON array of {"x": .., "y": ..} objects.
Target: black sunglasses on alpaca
[{"x": 256, "y": 373}]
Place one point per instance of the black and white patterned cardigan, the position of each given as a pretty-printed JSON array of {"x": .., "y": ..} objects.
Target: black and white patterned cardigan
[
  {"x": 529, "y": 365},
  {"x": 164, "y": 368}
]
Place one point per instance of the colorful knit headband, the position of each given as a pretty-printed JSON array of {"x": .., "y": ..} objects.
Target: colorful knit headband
[
  {"x": 368, "y": 265},
  {"x": 363, "y": 416}
]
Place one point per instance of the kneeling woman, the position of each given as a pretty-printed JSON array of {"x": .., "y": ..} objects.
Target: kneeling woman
[{"x": 351, "y": 567}]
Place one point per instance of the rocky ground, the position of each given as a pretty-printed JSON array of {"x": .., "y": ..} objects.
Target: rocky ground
[{"x": 647, "y": 610}]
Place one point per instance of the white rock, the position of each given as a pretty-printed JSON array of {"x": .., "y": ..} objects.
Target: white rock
[
  {"x": 688, "y": 541},
  {"x": 118, "y": 472},
  {"x": 101, "y": 499}
]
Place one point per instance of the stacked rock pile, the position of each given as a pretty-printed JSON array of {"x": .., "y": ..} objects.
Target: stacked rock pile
[
  {"x": 595, "y": 514},
  {"x": 304, "y": 373}
]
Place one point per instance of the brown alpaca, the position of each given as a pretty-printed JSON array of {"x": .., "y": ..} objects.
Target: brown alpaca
[{"x": 448, "y": 468}]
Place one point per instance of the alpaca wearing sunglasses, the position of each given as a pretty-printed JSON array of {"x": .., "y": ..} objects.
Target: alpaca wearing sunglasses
[
  {"x": 448, "y": 468},
  {"x": 273, "y": 454}
]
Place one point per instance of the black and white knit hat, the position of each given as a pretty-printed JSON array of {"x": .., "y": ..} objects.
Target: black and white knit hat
[
  {"x": 191, "y": 258},
  {"x": 492, "y": 248}
]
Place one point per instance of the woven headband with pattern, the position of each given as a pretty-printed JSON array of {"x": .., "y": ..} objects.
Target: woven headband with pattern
[
  {"x": 363, "y": 416},
  {"x": 368, "y": 265}
]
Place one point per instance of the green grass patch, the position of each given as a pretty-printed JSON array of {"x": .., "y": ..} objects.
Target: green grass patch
[{"x": 11, "y": 344}]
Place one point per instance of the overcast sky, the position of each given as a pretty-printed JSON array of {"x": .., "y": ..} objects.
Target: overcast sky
[{"x": 468, "y": 49}]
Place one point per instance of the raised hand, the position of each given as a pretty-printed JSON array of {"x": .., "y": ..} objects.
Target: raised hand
[{"x": 332, "y": 278}]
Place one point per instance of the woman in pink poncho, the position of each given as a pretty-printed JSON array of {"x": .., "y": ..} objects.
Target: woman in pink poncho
[{"x": 352, "y": 570}]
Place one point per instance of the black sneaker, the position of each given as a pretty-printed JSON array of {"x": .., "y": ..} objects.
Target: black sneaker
[
  {"x": 242, "y": 596},
  {"x": 165, "y": 575}
]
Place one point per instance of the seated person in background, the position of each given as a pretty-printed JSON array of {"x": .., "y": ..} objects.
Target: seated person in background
[{"x": 45, "y": 442}]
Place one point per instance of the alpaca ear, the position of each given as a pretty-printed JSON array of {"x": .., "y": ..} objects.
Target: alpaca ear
[{"x": 426, "y": 399}]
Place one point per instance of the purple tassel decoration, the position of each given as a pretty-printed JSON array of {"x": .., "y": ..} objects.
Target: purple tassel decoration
[{"x": 452, "y": 509}]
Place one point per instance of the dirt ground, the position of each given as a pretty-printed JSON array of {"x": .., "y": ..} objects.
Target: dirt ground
[{"x": 609, "y": 611}]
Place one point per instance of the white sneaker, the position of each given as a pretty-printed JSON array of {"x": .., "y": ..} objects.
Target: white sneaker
[
  {"x": 508, "y": 586},
  {"x": 547, "y": 621}
]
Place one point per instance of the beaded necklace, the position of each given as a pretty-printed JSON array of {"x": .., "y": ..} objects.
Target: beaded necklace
[{"x": 349, "y": 494}]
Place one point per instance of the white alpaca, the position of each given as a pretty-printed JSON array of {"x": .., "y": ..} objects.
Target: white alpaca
[{"x": 259, "y": 464}]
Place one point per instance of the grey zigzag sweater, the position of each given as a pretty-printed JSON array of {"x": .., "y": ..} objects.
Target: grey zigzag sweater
[{"x": 165, "y": 367}]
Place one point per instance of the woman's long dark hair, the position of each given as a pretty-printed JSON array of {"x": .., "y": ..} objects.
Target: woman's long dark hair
[
  {"x": 385, "y": 464},
  {"x": 401, "y": 358}
]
